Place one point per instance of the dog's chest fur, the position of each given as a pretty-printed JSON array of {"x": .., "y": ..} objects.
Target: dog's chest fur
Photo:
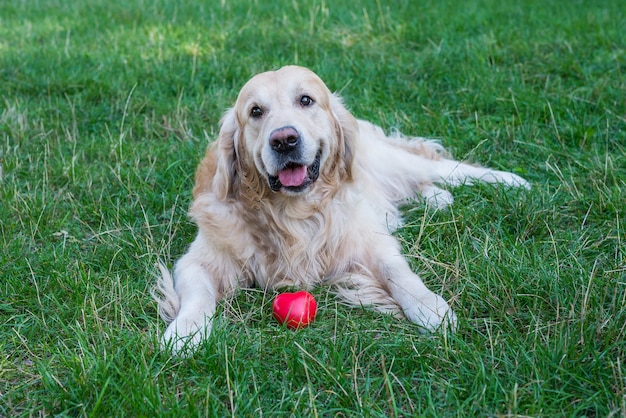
[
  {"x": 289, "y": 251},
  {"x": 298, "y": 242}
]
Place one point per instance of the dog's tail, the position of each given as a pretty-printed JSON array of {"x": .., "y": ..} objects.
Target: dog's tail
[
  {"x": 426, "y": 147},
  {"x": 165, "y": 295}
]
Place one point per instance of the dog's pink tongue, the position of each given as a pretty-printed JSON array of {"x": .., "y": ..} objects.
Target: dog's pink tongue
[{"x": 292, "y": 176}]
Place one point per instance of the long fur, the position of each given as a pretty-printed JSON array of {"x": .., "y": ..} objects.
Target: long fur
[{"x": 335, "y": 232}]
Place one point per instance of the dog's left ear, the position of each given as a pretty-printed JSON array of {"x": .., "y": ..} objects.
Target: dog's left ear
[
  {"x": 226, "y": 171},
  {"x": 347, "y": 133}
]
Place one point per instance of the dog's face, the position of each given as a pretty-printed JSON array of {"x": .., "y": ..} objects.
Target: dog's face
[{"x": 290, "y": 129}]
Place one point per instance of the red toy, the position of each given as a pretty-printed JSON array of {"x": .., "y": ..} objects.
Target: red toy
[{"x": 296, "y": 310}]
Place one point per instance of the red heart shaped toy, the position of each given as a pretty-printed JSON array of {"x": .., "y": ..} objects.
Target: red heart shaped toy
[{"x": 296, "y": 310}]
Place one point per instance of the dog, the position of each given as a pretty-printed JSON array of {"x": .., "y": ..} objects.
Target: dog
[{"x": 296, "y": 192}]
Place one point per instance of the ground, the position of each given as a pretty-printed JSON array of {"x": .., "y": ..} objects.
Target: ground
[{"x": 107, "y": 107}]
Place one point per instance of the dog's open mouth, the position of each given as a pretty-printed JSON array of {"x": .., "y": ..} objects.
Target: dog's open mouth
[{"x": 296, "y": 177}]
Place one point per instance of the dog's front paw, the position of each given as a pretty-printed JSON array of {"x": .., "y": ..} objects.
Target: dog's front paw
[
  {"x": 183, "y": 337},
  {"x": 432, "y": 313}
]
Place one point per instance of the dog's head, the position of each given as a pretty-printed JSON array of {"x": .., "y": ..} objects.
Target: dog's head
[{"x": 286, "y": 133}]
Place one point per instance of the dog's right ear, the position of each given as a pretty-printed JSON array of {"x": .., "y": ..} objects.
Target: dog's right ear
[
  {"x": 226, "y": 172},
  {"x": 347, "y": 130}
]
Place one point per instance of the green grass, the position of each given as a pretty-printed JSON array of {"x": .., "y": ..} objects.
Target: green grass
[{"x": 106, "y": 108}]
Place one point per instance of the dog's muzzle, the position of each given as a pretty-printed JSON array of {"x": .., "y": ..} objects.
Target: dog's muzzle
[
  {"x": 296, "y": 177},
  {"x": 295, "y": 174}
]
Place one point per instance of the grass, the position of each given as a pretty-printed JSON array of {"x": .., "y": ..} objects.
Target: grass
[{"x": 107, "y": 107}]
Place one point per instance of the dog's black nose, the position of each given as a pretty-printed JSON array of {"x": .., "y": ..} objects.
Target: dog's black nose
[{"x": 284, "y": 139}]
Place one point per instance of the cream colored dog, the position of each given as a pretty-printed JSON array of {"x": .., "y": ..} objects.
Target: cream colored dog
[{"x": 297, "y": 192}]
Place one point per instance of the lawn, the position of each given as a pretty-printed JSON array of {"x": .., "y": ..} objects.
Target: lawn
[{"x": 107, "y": 106}]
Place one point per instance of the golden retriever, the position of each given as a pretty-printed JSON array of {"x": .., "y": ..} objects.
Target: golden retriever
[{"x": 297, "y": 192}]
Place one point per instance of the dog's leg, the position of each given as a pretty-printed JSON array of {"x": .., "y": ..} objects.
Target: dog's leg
[
  {"x": 387, "y": 284},
  {"x": 404, "y": 167},
  {"x": 197, "y": 302},
  {"x": 419, "y": 304},
  {"x": 197, "y": 290},
  {"x": 456, "y": 173},
  {"x": 436, "y": 197}
]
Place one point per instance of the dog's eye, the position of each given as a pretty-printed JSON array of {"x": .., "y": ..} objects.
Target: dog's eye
[
  {"x": 256, "y": 112},
  {"x": 306, "y": 101}
]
